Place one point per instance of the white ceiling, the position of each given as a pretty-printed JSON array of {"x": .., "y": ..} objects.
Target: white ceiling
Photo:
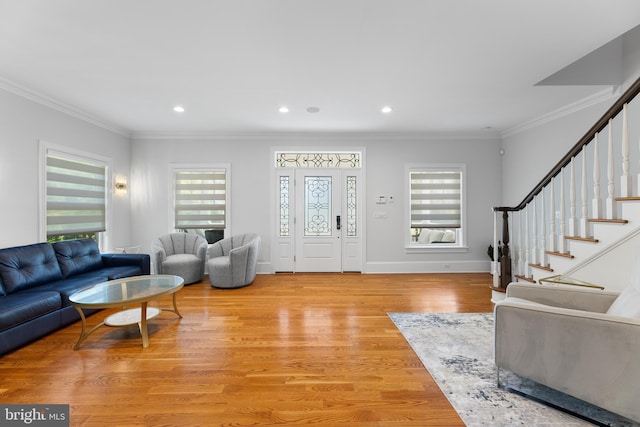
[{"x": 445, "y": 66}]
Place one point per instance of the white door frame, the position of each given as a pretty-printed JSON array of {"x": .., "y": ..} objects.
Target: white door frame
[{"x": 283, "y": 244}]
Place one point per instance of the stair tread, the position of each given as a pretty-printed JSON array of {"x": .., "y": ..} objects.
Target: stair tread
[
  {"x": 582, "y": 239},
  {"x": 541, "y": 267},
  {"x": 627, "y": 199},
  {"x": 562, "y": 254},
  {"x": 609, "y": 221},
  {"x": 525, "y": 278}
]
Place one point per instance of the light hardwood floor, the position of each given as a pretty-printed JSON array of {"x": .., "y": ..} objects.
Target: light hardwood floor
[{"x": 292, "y": 349}]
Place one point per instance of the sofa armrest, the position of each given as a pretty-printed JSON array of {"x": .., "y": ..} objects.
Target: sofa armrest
[
  {"x": 117, "y": 260},
  {"x": 201, "y": 250},
  {"x": 592, "y": 356},
  {"x": 239, "y": 255},
  {"x": 572, "y": 297}
]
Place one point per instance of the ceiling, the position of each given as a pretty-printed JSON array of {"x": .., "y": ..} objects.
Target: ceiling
[{"x": 444, "y": 66}]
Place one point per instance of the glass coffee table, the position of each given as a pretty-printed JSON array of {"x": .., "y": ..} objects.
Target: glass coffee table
[{"x": 126, "y": 292}]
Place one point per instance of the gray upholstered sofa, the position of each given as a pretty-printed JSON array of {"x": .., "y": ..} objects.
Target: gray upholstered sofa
[
  {"x": 180, "y": 254},
  {"x": 36, "y": 282},
  {"x": 233, "y": 261},
  {"x": 581, "y": 341}
]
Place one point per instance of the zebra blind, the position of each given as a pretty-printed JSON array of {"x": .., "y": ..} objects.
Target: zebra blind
[
  {"x": 436, "y": 198},
  {"x": 75, "y": 196},
  {"x": 200, "y": 199}
]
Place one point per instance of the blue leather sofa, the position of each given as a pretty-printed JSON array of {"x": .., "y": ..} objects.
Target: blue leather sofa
[{"x": 36, "y": 281}]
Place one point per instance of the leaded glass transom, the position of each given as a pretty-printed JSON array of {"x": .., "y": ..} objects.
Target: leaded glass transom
[{"x": 317, "y": 160}]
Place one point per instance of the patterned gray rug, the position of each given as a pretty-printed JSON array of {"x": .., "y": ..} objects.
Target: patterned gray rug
[{"x": 457, "y": 350}]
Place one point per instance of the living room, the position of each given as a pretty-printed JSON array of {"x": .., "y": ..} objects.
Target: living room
[{"x": 505, "y": 154}]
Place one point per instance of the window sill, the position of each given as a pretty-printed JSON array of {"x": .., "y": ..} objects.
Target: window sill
[{"x": 418, "y": 249}]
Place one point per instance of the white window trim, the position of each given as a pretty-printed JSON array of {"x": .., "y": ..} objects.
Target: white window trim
[
  {"x": 44, "y": 148},
  {"x": 194, "y": 167},
  {"x": 461, "y": 234}
]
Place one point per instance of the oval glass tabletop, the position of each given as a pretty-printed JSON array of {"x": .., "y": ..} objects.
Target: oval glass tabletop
[{"x": 127, "y": 290}]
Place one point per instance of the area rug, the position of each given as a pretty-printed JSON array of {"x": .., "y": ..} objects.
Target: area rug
[{"x": 457, "y": 350}]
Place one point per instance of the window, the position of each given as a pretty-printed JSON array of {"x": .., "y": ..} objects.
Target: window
[
  {"x": 75, "y": 196},
  {"x": 436, "y": 202},
  {"x": 200, "y": 200}
]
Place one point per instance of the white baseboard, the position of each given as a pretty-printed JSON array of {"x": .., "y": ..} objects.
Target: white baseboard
[
  {"x": 428, "y": 267},
  {"x": 408, "y": 267}
]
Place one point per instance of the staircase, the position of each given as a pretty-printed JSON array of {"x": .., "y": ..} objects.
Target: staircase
[{"x": 583, "y": 219}]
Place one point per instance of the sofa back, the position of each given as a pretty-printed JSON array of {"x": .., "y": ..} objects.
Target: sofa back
[
  {"x": 78, "y": 256},
  {"x": 24, "y": 267}
]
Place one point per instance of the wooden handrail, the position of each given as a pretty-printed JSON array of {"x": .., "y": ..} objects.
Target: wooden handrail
[{"x": 615, "y": 109}]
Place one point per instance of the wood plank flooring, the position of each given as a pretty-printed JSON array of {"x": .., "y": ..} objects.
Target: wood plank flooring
[{"x": 292, "y": 349}]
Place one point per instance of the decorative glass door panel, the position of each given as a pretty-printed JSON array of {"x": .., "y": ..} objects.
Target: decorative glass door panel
[
  {"x": 318, "y": 247},
  {"x": 317, "y": 206}
]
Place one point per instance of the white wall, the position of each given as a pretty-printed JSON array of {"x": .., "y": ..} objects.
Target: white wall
[
  {"x": 22, "y": 124},
  {"x": 385, "y": 160},
  {"x": 529, "y": 155}
]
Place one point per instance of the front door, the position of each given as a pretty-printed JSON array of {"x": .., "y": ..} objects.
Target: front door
[
  {"x": 318, "y": 220},
  {"x": 318, "y": 225}
]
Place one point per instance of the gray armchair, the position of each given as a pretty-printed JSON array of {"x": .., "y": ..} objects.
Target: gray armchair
[
  {"x": 581, "y": 341},
  {"x": 180, "y": 254},
  {"x": 232, "y": 261}
]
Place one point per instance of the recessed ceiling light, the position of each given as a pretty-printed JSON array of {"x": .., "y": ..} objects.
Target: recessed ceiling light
[
  {"x": 283, "y": 109},
  {"x": 386, "y": 109},
  {"x": 313, "y": 110},
  {"x": 178, "y": 109}
]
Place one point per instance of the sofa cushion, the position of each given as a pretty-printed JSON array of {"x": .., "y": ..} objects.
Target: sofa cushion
[
  {"x": 25, "y": 267},
  {"x": 78, "y": 256},
  {"x": 120, "y": 272},
  {"x": 67, "y": 287},
  {"x": 25, "y": 306},
  {"x": 627, "y": 304}
]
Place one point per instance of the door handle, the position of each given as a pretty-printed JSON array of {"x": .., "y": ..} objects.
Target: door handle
[{"x": 338, "y": 222}]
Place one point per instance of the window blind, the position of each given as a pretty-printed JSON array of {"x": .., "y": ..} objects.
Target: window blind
[
  {"x": 200, "y": 199},
  {"x": 435, "y": 199},
  {"x": 75, "y": 197}
]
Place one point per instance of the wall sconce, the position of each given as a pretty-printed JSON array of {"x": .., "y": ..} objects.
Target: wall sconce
[{"x": 121, "y": 184}]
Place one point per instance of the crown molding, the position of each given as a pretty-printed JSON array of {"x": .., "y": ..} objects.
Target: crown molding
[
  {"x": 60, "y": 106},
  {"x": 312, "y": 136},
  {"x": 612, "y": 92}
]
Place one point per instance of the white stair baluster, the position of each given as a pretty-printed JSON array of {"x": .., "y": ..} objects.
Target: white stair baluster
[
  {"x": 611, "y": 187},
  {"x": 521, "y": 260},
  {"x": 553, "y": 247},
  {"x": 625, "y": 182},
  {"x": 596, "y": 203},
  {"x": 562, "y": 242},
  {"x": 573, "y": 221},
  {"x": 584, "y": 218},
  {"x": 527, "y": 236},
  {"x": 534, "y": 232},
  {"x": 543, "y": 231}
]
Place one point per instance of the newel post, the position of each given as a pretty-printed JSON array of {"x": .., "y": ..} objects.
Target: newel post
[{"x": 505, "y": 260}]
